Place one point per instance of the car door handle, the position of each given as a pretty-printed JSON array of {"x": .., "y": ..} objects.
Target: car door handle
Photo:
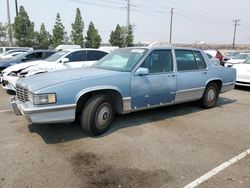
[
  {"x": 204, "y": 72},
  {"x": 172, "y": 75}
]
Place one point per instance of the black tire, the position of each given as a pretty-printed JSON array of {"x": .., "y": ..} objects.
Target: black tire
[
  {"x": 97, "y": 115},
  {"x": 210, "y": 96}
]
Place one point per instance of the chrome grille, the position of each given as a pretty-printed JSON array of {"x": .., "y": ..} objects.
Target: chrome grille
[{"x": 22, "y": 94}]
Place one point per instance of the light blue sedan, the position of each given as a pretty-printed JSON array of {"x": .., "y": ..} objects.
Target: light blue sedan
[{"x": 126, "y": 80}]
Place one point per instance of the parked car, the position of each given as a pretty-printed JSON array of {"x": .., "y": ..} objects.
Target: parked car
[
  {"x": 124, "y": 81},
  {"x": 237, "y": 59},
  {"x": 74, "y": 58},
  {"x": 216, "y": 54},
  {"x": 11, "y": 55},
  {"x": 230, "y": 55},
  {"x": 25, "y": 57},
  {"x": 5, "y": 49},
  {"x": 8, "y": 54},
  {"x": 243, "y": 73}
]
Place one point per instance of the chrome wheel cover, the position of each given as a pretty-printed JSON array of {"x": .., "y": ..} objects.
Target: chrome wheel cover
[{"x": 103, "y": 115}]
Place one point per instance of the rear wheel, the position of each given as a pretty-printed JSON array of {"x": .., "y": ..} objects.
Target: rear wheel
[
  {"x": 210, "y": 96},
  {"x": 97, "y": 115}
]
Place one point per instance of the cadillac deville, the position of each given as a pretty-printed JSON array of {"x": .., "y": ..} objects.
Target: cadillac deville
[{"x": 126, "y": 80}]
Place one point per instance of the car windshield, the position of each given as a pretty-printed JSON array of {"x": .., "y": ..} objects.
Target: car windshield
[
  {"x": 247, "y": 61},
  {"x": 121, "y": 59},
  {"x": 56, "y": 56},
  {"x": 19, "y": 56},
  {"x": 241, "y": 56}
]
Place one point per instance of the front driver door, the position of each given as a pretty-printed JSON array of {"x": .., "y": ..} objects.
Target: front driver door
[{"x": 159, "y": 86}]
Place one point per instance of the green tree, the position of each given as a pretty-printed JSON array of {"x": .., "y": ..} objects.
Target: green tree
[
  {"x": 130, "y": 37},
  {"x": 77, "y": 29},
  {"x": 23, "y": 29},
  {"x": 44, "y": 38},
  {"x": 2, "y": 31},
  {"x": 93, "y": 39},
  {"x": 122, "y": 36},
  {"x": 59, "y": 35},
  {"x": 116, "y": 38}
]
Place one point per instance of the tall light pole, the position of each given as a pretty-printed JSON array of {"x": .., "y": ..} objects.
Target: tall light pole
[
  {"x": 236, "y": 23},
  {"x": 128, "y": 14},
  {"x": 9, "y": 25},
  {"x": 16, "y": 7},
  {"x": 171, "y": 26}
]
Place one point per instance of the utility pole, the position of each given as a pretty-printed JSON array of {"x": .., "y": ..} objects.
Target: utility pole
[
  {"x": 16, "y": 7},
  {"x": 9, "y": 24},
  {"x": 171, "y": 26},
  {"x": 128, "y": 14},
  {"x": 236, "y": 23}
]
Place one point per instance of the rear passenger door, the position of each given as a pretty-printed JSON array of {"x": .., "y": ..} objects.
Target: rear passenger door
[
  {"x": 159, "y": 86},
  {"x": 191, "y": 75}
]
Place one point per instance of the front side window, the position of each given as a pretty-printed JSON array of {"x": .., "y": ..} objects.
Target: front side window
[
  {"x": 159, "y": 61},
  {"x": 94, "y": 55},
  {"x": 185, "y": 60}
]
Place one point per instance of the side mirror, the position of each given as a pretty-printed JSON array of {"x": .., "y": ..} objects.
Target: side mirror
[
  {"x": 64, "y": 60},
  {"x": 142, "y": 71}
]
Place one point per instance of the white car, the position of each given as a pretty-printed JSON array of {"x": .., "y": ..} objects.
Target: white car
[
  {"x": 73, "y": 58},
  {"x": 11, "y": 53},
  {"x": 243, "y": 73},
  {"x": 237, "y": 59}
]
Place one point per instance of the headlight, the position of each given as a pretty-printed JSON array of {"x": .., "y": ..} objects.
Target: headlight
[{"x": 42, "y": 98}]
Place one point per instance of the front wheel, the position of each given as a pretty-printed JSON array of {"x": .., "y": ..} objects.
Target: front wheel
[
  {"x": 97, "y": 115},
  {"x": 210, "y": 96}
]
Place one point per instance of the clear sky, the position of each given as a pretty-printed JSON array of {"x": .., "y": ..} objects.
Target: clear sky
[{"x": 193, "y": 20}]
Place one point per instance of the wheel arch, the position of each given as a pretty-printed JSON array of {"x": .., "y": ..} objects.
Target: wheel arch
[
  {"x": 217, "y": 81},
  {"x": 115, "y": 95}
]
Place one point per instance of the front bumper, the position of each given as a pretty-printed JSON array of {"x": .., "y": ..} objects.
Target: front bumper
[{"x": 44, "y": 114}]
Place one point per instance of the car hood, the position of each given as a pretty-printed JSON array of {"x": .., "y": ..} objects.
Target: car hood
[
  {"x": 41, "y": 81},
  {"x": 21, "y": 66},
  {"x": 242, "y": 68},
  {"x": 236, "y": 61}
]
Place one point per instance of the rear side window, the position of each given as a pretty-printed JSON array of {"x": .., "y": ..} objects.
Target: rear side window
[
  {"x": 94, "y": 55},
  {"x": 77, "y": 56},
  {"x": 200, "y": 60},
  {"x": 185, "y": 60}
]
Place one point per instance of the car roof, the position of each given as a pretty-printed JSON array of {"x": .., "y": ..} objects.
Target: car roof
[
  {"x": 167, "y": 47},
  {"x": 84, "y": 49}
]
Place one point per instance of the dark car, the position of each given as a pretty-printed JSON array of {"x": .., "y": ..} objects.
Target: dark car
[{"x": 25, "y": 57}]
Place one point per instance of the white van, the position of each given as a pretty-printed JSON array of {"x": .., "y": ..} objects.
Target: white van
[{"x": 67, "y": 47}]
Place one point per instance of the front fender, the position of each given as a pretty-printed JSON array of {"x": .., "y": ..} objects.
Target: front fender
[{"x": 96, "y": 88}]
